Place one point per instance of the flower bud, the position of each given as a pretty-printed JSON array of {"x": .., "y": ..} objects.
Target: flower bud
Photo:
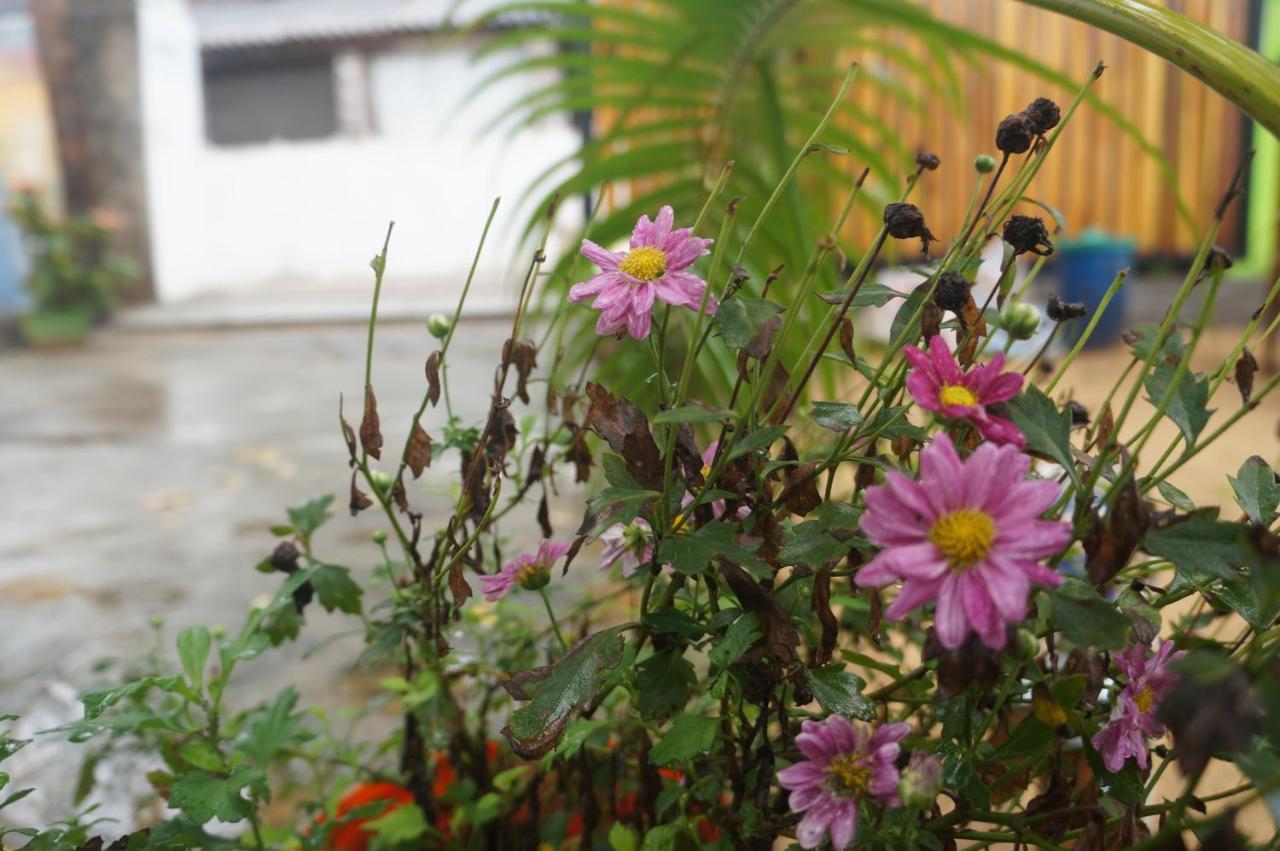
[
  {"x": 927, "y": 161},
  {"x": 381, "y": 482},
  {"x": 1026, "y": 646},
  {"x": 1020, "y": 320},
  {"x": 439, "y": 325},
  {"x": 984, "y": 163},
  {"x": 1014, "y": 135},
  {"x": 379, "y": 537},
  {"x": 921, "y": 781},
  {"x": 952, "y": 292}
]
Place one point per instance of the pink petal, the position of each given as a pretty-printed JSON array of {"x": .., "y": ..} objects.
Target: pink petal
[
  {"x": 593, "y": 286},
  {"x": 638, "y": 324},
  {"x": 1007, "y": 586},
  {"x": 813, "y": 827},
  {"x": 914, "y": 594},
  {"x": 944, "y": 364},
  {"x": 844, "y": 824},
  {"x": 942, "y": 474},
  {"x": 662, "y": 226},
  {"x": 606, "y": 260},
  {"x": 800, "y": 776},
  {"x": 949, "y": 620},
  {"x": 641, "y": 234}
]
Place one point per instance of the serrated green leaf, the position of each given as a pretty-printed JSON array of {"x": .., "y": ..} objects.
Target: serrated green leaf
[
  {"x": 310, "y": 514},
  {"x": 690, "y": 736},
  {"x": 1188, "y": 407},
  {"x": 1256, "y": 490},
  {"x": 840, "y": 691},
  {"x": 737, "y": 640},
  {"x": 193, "y": 651},
  {"x": 691, "y": 414},
  {"x": 1047, "y": 429},
  {"x": 740, "y": 319},
  {"x": 663, "y": 682},
  {"x": 1175, "y": 497},
  {"x": 1086, "y": 618},
  {"x": 203, "y": 796},
  {"x": 97, "y": 702},
  {"x": 836, "y": 416},
  {"x": 336, "y": 589}
]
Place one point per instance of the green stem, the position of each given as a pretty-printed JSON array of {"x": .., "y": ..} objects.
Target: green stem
[{"x": 555, "y": 625}]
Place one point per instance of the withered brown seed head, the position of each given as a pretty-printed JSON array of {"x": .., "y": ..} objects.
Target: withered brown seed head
[
  {"x": 905, "y": 221},
  {"x": 1027, "y": 234},
  {"x": 1043, "y": 115},
  {"x": 1014, "y": 135},
  {"x": 1065, "y": 311},
  {"x": 952, "y": 293},
  {"x": 1219, "y": 258},
  {"x": 1079, "y": 413},
  {"x": 927, "y": 161}
]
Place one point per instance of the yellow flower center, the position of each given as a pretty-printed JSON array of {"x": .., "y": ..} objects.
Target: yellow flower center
[
  {"x": 963, "y": 536},
  {"x": 955, "y": 394},
  {"x": 851, "y": 775},
  {"x": 1144, "y": 700},
  {"x": 531, "y": 577},
  {"x": 645, "y": 263}
]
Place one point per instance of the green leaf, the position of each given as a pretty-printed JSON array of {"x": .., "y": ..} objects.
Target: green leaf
[
  {"x": 1048, "y": 430},
  {"x": 310, "y": 515},
  {"x": 623, "y": 838},
  {"x": 663, "y": 683},
  {"x": 870, "y": 294},
  {"x": 1175, "y": 497},
  {"x": 1144, "y": 340},
  {"x": 200, "y": 754},
  {"x": 672, "y": 621},
  {"x": 740, "y": 319},
  {"x": 1188, "y": 407},
  {"x": 892, "y": 423},
  {"x": 840, "y": 691},
  {"x": 906, "y": 313},
  {"x": 690, "y": 736},
  {"x": 665, "y": 837},
  {"x": 336, "y": 589},
  {"x": 1256, "y": 490},
  {"x": 1200, "y": 545},
  {"x": 737, "y": 640},
  {"x": 97, "y": 702},
  {"x": 400, "y": 825},
  {"x": 691, "y": 414},
  {"x": 758, "y": 439},
  {"x": 1086, "y": 618},
  {"x": 808, "y": 543},
  {"x": 837, "y": 416},
  {"x": 193, "y": 651},
  {"x": 204, "y": 796},
  {"x": 274, "y": 728},
  {"x": 692, "y": 553},
  {"x": 555, "y": 691}
]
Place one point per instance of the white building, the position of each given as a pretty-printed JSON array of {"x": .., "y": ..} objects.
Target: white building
[{"x": 280, "y": 136}]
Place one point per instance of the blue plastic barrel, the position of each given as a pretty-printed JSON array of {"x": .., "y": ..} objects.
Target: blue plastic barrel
[
  {"x": 1086, "y": 267},
  {"x": 13, "y": 261}
]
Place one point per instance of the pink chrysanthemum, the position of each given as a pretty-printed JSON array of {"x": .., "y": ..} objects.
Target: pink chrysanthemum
[
  {"x": 1133, "y": 716},
  {"x": 843, "y": 766},
  {"x": 627, "y": 545},
  {"x": 968, "y": 535},
  {"x": 938, "y": 384},
  {"x": 530, "y": 571},
  {"x": 656, "y": 267}
]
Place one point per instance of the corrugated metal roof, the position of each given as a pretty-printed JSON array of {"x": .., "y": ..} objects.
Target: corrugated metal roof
[{"x": 235, "y": 24}]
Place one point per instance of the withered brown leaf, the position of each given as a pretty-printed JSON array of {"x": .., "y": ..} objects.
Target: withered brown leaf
[
  {"x": 1246, "y": 367},
  {"x": 348, "y": 434},
  {"x": 419, "y": 455},
  {"x": 370, "y": 428},
  {"x": 433, "y": 377},
  {"x": 458, "y": 584},
  {"x": 544, "y": 517},
  {"x": 524, "y": 357},
  {"x": 779, "y": 636},
  {"x": 826, "y": 617},
  {"x": 359, "y": 499},
  {"x": 625, "y": 428},
  {"x": 578, "y": 454},
  {"x": 846, "y": 339},
  {"x": 1110, "y": 544}
]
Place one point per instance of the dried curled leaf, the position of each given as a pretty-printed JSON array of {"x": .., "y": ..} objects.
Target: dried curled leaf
[
  {"x": 370, "y": 428},
  {"x": 826, "y": 618},
  {"x": 458, "y": 585},
  {"x": 433, "y": 378},
  {"x": 1246, "y": 367},
  {"x": 846, "y": 339},
  {"x": 1111, "y": 543},
  {"x": 779, "y": 637},
  {"x": 524, "y": 357},
  {"x": 419, "y": 455},
  {"x": 348, "y": 435},
  {"x": 578, "y": 454},
  {"x": 359, "y": 499},
  {"x": 625, "y": 428}
]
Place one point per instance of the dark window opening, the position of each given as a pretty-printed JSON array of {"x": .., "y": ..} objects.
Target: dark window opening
[{"x": 292, "y": 98}]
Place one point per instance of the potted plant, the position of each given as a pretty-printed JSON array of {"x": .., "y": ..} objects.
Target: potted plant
[{"x": 74, "y": 273}]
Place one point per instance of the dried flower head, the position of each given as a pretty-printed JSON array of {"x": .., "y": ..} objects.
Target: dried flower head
[
  {"x": 927, "y": 161},
  {"x": 1065, "y": 311},
  {"x": 905, "y": 221},
  {"x": 1027, "y": 235},
  {"x": 1043, "y": 115},
  {"x": 1014, "y": 135},
  {"x": 952, "y": 292}
]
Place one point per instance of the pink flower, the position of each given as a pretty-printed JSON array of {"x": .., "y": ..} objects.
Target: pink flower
[
  {"x": 627, "y": 545},
  {"x": 530, "y": 571},
  {"x": 718, "y": 506},
  {"x": 1133, "y": 717},
  {"x": 842, "y": 767},
  {"x": 968, "y": 535},
  {"x": 937, "y": 384},
  {"x": 657, "y": 266}
]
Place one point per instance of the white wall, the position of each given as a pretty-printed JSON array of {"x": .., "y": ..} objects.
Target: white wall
[{"x": 316, "y": 211}]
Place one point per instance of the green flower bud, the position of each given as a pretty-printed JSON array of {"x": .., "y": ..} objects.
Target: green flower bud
[
  {"x": 1020, "y": 320},
  {"x": 921, "y": 781},
  {"x": 985, "y": 163},
  {"x": 1026, "y": 646},
  {"x": 382, "y": 482},
  {"x": 379, "y": 537},
  {"x": 218, "y": 632},
  {"x": 439, "y": 325}
]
